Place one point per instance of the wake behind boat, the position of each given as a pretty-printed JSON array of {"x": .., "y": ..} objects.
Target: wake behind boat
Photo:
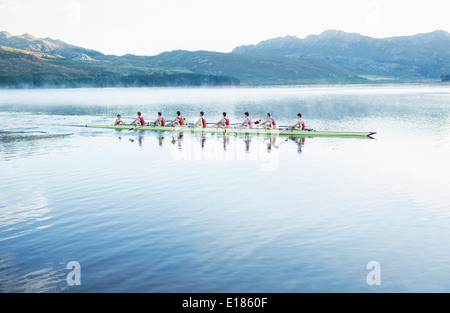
[{"x": 243, "y": 131}]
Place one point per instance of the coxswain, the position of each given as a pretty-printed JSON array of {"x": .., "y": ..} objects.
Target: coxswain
[{"x": 119, "y": 121}]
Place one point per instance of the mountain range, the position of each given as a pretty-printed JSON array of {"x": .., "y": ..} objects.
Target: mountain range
[
  {"x": 331, "y": 57},
  {"x": 399, "y": 58}
]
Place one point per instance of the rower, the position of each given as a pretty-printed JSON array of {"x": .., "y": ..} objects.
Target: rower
[
  {"x": 270, "y": 123},
  {"x": 119, "y": 121},
  {"x": 247, "y": 122},
  {"x": 300, "y": 123},
  {"x": 224, "y": 122},
  {"x": 201, "y": 122},
  {"x": 177, "y": 121},
  {"x": 139, "y": 121},
  {"x": 160, "y": 120}
]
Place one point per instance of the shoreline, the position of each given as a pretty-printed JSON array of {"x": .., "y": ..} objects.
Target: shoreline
[{"x": 386, "y": 84}]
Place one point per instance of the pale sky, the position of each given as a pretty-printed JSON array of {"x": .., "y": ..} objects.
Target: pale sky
[{"x": 149, "y": 27}]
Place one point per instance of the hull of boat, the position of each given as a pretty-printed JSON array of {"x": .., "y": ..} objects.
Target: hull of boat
[{"x": 241, "y": 131}]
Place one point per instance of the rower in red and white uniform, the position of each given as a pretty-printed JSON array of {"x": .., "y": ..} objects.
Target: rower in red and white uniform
[
  {"x": 300, "y": 123},
  {"x": 201, "y": 122},
  {"x": 160, "y": 120},
  {"x": 139, "y": 121},
  {"x": 177, "y": 121},
  {"x": 119, "y": 120},
  {"x": 247, "y": 123},
  {"x": 269, "y": 123},
  {"x": 224, "y": 122}
]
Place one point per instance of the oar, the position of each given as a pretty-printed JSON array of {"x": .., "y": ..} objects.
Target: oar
[
  {"x": 136, "y": 127},
  {"x": 75, "y": 125},
  {"x": 280, "y": 143},
  {"x": 306, "y": 128},
  {"x": 230, "y": 123},
  {"x": 282, "y": 132},
  {"x": 282, "y": 126},
  {"x": 178, "y": 129}
]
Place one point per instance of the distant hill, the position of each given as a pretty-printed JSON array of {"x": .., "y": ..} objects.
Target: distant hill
[
  {"x": 25, "y": 69},
  {"x": 27, "y": 61},
  {"x": 254, "y": 69},
  {"x": 48, "y": 47},
  {"x": 30, "y": 62},
  {"x": 408, "y": 57}
]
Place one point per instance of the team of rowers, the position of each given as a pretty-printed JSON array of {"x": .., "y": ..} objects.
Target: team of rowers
[{"x": 178, "y": 121}]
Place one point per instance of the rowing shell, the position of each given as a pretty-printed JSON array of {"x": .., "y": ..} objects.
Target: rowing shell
[{"x": 245, "y": 131}]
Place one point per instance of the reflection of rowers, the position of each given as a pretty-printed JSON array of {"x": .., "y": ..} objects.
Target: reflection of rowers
[
  {"x": 179, "y": 140},
  {"x": 300, "y": 141},
  {"x": 226, "y": 142},
  {"x": 161, "y": 141},
  {"x": 272, "y": 142},
  {"x": 247, "y": 142},
  {"x": 203, "y": 140}
]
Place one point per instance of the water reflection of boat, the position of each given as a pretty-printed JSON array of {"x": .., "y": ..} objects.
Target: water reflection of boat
[
  {"x": 179, "y": 139},
  {"x": 300, "y": 141},
  {"x": 226, "y": 141},
  {"x": 245, "y": 131}
]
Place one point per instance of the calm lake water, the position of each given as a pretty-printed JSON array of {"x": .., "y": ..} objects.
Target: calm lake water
[{"x": 161, "y": 212}]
